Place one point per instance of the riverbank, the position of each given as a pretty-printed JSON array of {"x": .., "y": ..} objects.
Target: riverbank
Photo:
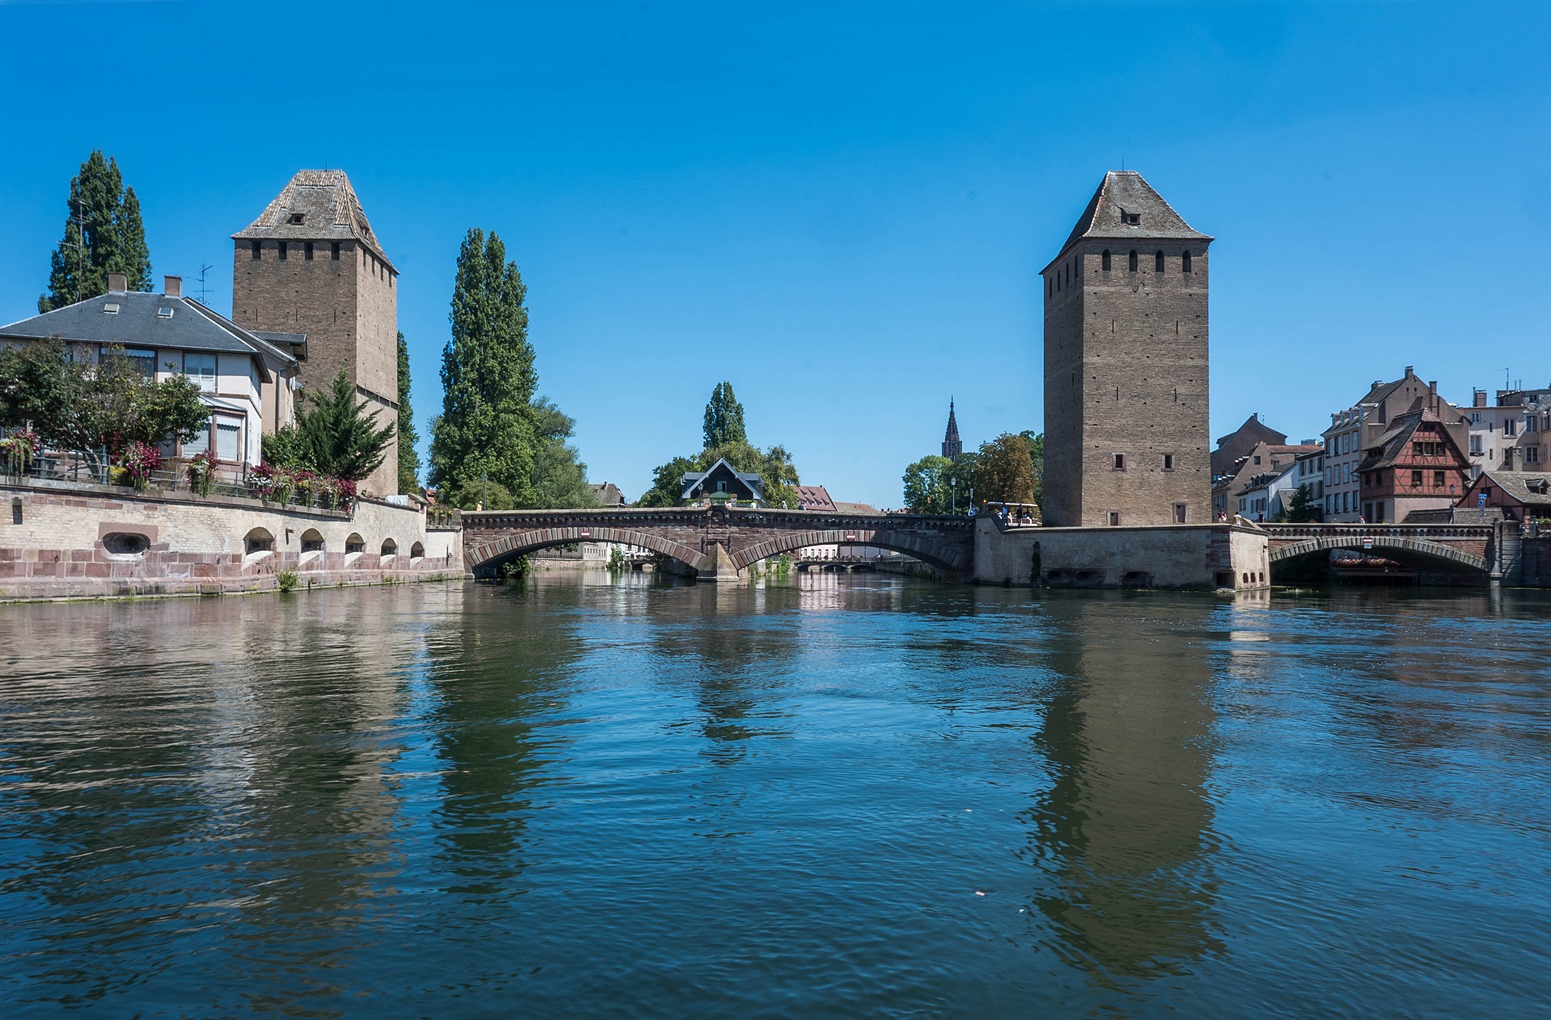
[{"x": 65, "y": 540}]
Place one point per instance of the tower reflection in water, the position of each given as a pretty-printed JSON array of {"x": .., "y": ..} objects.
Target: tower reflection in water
[{"x": 1124, "y": 830}]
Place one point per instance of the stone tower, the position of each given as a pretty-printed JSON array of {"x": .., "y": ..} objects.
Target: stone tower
[
  {"x": 951, "y": 447},
  {"x": 1126, "y": 427},
  {"x": 311, "y": 264}
]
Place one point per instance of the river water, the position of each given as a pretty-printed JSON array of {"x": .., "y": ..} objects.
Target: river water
[{"x": 837, "y": 796}]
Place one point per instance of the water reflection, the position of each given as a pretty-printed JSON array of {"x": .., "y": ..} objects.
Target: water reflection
[
  {"x": 1125, "y": 827},
  {"x": 499, "y": 674}
]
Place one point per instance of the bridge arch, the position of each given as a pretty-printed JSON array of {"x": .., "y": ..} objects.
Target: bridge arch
[
  {"x": 487, "y": 554},
  {"x": 1393, "y": 543},
  {"x": 937, "y": 554}
]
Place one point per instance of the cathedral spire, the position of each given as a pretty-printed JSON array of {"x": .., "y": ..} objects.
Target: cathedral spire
[{"x": 951, "y": 447}]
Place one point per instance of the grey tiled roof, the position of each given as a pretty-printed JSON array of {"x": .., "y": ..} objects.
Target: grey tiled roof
[
  {"x": 1124, "y": 191},
  {"x": 139, "y": 322},
  {"x": 1523, "y": 485},
  {"x": 328, "y": 208},
  {"x": 752, "y": 479}
]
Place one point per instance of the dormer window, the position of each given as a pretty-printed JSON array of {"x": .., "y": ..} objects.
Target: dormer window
[
  {"x": 296, "y": 218},
  {"x": 1131, "y": 219}
]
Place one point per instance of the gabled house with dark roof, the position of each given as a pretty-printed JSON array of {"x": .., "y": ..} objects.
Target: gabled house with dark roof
[
  {"x": 1521, "y": 496},
  {"x": 1418, "y": 464},
  {"x": 722, "y": 482},
  {"x": 245, "y": 378}
]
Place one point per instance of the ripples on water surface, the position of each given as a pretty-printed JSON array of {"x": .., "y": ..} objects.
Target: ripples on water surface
[{"x": 844, "y": 796}]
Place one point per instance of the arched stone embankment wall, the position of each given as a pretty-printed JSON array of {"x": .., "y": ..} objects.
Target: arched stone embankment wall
[{"x": 74, "y": 541}]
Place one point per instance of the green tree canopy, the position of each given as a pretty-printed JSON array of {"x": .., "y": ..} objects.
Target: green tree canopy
[
  {"x": 724, "y": 419},
  {"x": 333, "y": 435},
  {"x": 1037, "y": 462},
  {"x": 409, "y": 457},
  {"x": 488, "y": 378},
  {"x": 90, "y": 406},
  {"x": 1004, "y": 471},
  {"x": 927, "y": 486},
  {"x": 103, "y": 234},
  {"x": 492, "y": 429}
]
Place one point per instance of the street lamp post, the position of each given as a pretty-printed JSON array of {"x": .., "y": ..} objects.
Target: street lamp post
[{"x": 953, "y": 487}]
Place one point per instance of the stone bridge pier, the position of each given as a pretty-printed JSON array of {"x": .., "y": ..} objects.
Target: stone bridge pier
[{"x": 716, "y": 543}]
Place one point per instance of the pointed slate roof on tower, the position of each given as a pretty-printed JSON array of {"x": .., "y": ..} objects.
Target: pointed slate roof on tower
[
  {"x": 1126, "y": 206},
  {"x": 951, "y": 447},
  {"x": 317, "y": 205}
]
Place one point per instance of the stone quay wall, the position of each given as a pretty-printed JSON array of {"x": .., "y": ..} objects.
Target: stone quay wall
[
  {"x": 63, "y": 540},
  {"x": 1190, "y": 556}
]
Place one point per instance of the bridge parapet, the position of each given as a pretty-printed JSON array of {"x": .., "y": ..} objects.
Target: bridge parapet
[
  {"x": 1435, "y": 532},
  {"x": 717, "y": 542}
]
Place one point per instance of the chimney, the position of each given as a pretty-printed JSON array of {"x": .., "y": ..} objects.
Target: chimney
[
  {"x": 118, "y": 283},
  {"x": 173, "y": 286},
  {"x": 1478, "y": 398}
]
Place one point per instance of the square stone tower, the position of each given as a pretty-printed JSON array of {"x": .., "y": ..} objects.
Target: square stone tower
[
  {"x": 311, "y": 264},
  {"x": 1126, "y": 427}
]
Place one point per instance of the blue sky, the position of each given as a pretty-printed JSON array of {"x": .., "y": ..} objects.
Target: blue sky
[{"x": 840, "y": 208}]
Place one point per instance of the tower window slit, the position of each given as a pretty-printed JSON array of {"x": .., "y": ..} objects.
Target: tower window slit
[
  {"x": 1158, "y": 262},
  {"x": 1132, "y": 262},
  {"x": 1104, "y": 260}
]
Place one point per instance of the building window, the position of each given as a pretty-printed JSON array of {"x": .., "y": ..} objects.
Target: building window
[
  {"x": 1131, "y": 219},
  {"x": 312, "y": 541},
  {"x": 1438, "y": 482},
  {"x": 1120, "y": 462},
  {"x": 1104, "y": 260},
  {"x": 1180, "y": 512},
  {"x": 199, "y": 444},
  {"x": 1416, "y": 479},
  {"x": 200, "y": 369},
  {"x": 282, "y": 251},
  {"x": 255, "y": 247},
  {"x": 1532, "y": 455},
  {"x": 228, "y": 433},
  {"x": 1132, "y": 261},
  {"x": 296, "y": 219},
  {"x": 1184, "y": 262},
  {"x": 307, "y": 251},
  {"x": 1114, "y": 518},
  {"x": 1157, "y": 264},
  {"x": 1475, "y": 445},
  {"x": 1168, "y": 462},
  {"x": 334, "y": 250},
  {"x": 1531, "y": 423},
  {"x": 1509, "y": 426},
  {"x": 141, "y": 359}
]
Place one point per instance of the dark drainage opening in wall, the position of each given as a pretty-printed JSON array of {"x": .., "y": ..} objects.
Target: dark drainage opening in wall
[
  {"x": 1225, "y": 579},
  {"x": 125, "y": 544},
  {"x": 1136, "y": 579}
]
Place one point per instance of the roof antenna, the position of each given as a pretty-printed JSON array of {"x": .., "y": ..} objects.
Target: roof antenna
[{"x": 202, "y": 271}]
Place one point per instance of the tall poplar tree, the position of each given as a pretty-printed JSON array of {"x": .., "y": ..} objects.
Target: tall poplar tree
[
  {"x": 103, "y": 234},
  {"x": 724, "y": 418},
  {"x": 409, "y": 457},
  {"x": 486, "y": 428}
]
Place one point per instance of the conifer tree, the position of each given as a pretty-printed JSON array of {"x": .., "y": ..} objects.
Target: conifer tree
[
  {"x": 103, "y": 233},
  {"x": 486, "y": 428},
  {"x": 409, "y": 457},
  {"x": 724, "y": 418}
]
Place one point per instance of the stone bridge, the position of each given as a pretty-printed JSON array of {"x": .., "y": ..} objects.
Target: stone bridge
[
  {"x": 716, "y": 543},
  {"x": 1460, "y": 547}
]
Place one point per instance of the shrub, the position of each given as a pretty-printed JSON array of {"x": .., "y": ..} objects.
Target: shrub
[{"x": 287, "y": 579}]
